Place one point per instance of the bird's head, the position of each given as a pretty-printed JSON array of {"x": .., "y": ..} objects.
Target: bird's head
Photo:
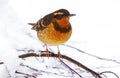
[{"x": 62, "y": 16}]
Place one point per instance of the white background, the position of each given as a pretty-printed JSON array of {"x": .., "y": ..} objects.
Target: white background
[{"x": 96, "y": 28}]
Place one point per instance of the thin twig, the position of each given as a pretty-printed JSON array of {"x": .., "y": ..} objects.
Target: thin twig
[
  {"x": 27, "y": 75},
  {"x": 40, "y": 71},
  {"x": 109, "y": 72},
  {"x": 29, "y": 67},
  {"x": 1, "y": 62},
  {"x": 91, "y": 54},
  {"x": 73, "y": 71},
  {"x": 82, "y": 66}
]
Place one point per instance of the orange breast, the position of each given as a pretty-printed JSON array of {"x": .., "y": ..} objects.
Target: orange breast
[{"x": 52, "y": 37}]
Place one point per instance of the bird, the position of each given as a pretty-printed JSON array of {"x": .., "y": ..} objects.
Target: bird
[{"x": 54, "y": 29}]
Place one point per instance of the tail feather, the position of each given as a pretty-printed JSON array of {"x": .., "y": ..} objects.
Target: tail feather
[{"x": 32, "y": 24}]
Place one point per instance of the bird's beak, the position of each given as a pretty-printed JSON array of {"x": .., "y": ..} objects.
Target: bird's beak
[{"x": 72, "y": 15}]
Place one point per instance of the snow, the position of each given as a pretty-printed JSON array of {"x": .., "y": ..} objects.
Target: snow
[{"x": 95, "y": 30}]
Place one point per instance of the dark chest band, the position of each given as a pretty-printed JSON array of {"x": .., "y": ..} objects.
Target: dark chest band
[{"x": 61, "y": 29}]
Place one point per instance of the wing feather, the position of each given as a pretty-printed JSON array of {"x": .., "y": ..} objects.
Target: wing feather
[{"x": 42, "y": 23}]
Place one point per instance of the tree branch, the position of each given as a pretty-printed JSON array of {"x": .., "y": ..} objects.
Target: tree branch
[
  {"x": 95, "y": 74},
  {"x": 43, "y": 54}
]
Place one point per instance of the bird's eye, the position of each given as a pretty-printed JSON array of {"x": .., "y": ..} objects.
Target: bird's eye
[{"x": 59, "y": 16}]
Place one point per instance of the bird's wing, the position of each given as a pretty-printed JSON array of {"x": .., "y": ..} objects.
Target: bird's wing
[
  {"x": 42, "y": 23},
  {"x": 38, "y": 26}
]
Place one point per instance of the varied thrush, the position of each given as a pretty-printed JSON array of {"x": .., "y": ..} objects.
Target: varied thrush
[{"x": 54, "y": 28}]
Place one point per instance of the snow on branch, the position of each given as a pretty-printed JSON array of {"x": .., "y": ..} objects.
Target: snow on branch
[
  {"x": 43, "y": 54},
  {"x": 31, "y": 53}
]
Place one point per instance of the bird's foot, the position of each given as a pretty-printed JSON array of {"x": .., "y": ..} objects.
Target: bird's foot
[
  {"x": 59, "y": 55},
  {"x": 48, "y": 54}
]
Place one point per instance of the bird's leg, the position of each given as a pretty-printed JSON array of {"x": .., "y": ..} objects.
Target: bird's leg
[
  {"x": 47, "y": 51},
  {"x": 59, "y": 54}
]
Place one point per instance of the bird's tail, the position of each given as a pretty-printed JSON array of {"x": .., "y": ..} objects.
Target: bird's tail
[
  {"x": 34, "y": 26},
  {"x": 31, "y": 24}
]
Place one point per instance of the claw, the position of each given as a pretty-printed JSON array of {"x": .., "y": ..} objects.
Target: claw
[
  {"x": 59, "y": 54},
  {"x": 48, "y": 54}
]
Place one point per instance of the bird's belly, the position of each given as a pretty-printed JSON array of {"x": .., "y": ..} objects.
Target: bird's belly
[{"x": 53, "y": 37}]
